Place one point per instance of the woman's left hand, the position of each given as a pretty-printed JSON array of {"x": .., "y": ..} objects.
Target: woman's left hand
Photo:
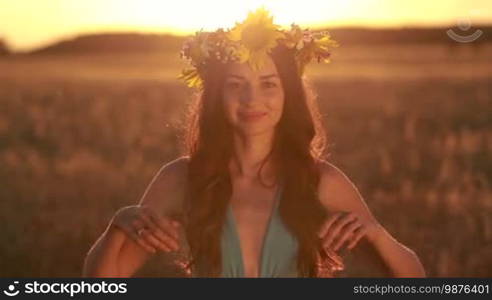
[{"x": 346, "y": 228}]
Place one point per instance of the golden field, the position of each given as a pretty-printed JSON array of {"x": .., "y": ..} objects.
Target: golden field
[{"x": 83, "y": 135}]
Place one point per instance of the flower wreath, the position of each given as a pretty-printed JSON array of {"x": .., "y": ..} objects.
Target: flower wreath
[{"x": 251, "y": 41}]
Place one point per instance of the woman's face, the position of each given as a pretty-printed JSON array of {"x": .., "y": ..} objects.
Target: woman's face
[{"x": 253, "y": 101}]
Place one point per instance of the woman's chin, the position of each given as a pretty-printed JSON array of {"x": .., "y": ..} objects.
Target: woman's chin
[{"x": 254, "y": 130}]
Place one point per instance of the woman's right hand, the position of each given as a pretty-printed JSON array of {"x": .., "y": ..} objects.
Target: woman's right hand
[{"x": 149, "y": 230}]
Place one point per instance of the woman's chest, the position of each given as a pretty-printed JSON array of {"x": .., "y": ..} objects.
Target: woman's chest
[{"x": 251, "y": 211}]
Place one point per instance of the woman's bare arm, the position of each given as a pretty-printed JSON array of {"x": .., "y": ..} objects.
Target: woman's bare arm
[
  {"x": 101, "y": 261},
  {"x": 115, "y": 254},
  {"x": 338, "y": 193}
]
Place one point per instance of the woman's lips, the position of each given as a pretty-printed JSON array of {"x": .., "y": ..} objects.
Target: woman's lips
[{"x": 251, "y": 116}]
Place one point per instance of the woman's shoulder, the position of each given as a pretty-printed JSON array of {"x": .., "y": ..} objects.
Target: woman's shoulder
[
  {"x": 166, "y": 191},
  {"x": 174, "y": 174},
  {"x": 331, "y": 174},
  {"x": 336, "y": 191},
  {"x": 177, "y": 168}
]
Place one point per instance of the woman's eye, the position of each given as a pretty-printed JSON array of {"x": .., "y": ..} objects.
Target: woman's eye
[
  {"x": 233, "y": 85},
  {"x": 269, "y": 84}
]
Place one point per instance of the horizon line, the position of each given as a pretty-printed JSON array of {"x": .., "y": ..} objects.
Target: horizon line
[{"x": 183, "y": 33}]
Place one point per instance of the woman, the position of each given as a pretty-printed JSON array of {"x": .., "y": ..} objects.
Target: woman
[{"x": 255, "y": 196}]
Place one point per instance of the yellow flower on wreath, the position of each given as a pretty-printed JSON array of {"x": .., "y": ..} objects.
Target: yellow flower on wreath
[
  {"x": 252, "y": 41},
  {"x": 257, "y": 35}
]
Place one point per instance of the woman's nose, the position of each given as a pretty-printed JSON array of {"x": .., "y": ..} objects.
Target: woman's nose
[{"x": 249, "y": 94}]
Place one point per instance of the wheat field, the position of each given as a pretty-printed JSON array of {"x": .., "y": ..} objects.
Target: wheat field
[{"x": 83, "y": 135}]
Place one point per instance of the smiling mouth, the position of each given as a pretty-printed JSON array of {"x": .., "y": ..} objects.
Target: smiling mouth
[{"x": 251, "y": 116}]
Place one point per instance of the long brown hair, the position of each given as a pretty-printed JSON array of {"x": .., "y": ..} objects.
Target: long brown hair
[{"x": 299, "y": 144}]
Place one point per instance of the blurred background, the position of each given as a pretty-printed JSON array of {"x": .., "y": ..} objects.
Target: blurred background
[{"x": 90, "y": 109}]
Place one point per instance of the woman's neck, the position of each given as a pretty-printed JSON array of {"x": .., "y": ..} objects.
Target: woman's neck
[{"x": 249, "y": 154}]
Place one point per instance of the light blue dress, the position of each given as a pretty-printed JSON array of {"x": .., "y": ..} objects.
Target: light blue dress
[{"x": 279, "y": 248}]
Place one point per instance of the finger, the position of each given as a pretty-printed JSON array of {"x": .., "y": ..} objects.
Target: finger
[
  {"x": 132, "y": 228},
  {"x": 348, "y": 232},
  {"x": 165, "y": 239},
  {"x": 152, "y": 240},
  {"x": 146, "y": 245},
  {"x": 162, "y": 242},
  {"x": 326, "y": 225},
  {"x": 137, "y": 225},
  {"x": 171, "y": 240},
  {"x": 156, "y": 231},
  {"x": 121, "y": 217},
  {"x": 335, "y": 229},
  {"x": 359, "y": 233},
  {"x": 142, "y": 243},
  {"x": 149, "y": 223},
  {"x": 165, "y": 224}
]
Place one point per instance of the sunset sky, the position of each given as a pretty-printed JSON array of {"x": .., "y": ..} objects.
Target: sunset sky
[{"x": 27, "y": 24}]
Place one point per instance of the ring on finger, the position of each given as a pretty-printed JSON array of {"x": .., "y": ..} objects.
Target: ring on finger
[{"x": 141, "y": 230}]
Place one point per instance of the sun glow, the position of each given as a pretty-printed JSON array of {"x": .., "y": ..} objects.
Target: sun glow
[
  {"x": 187, "y": 16},
  {"x": 31, "y": 23}
]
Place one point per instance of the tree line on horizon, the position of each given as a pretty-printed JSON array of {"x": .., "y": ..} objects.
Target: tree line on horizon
[
  {"x": 4, "y": 50},
  {"x": 136, "y": 42}
]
